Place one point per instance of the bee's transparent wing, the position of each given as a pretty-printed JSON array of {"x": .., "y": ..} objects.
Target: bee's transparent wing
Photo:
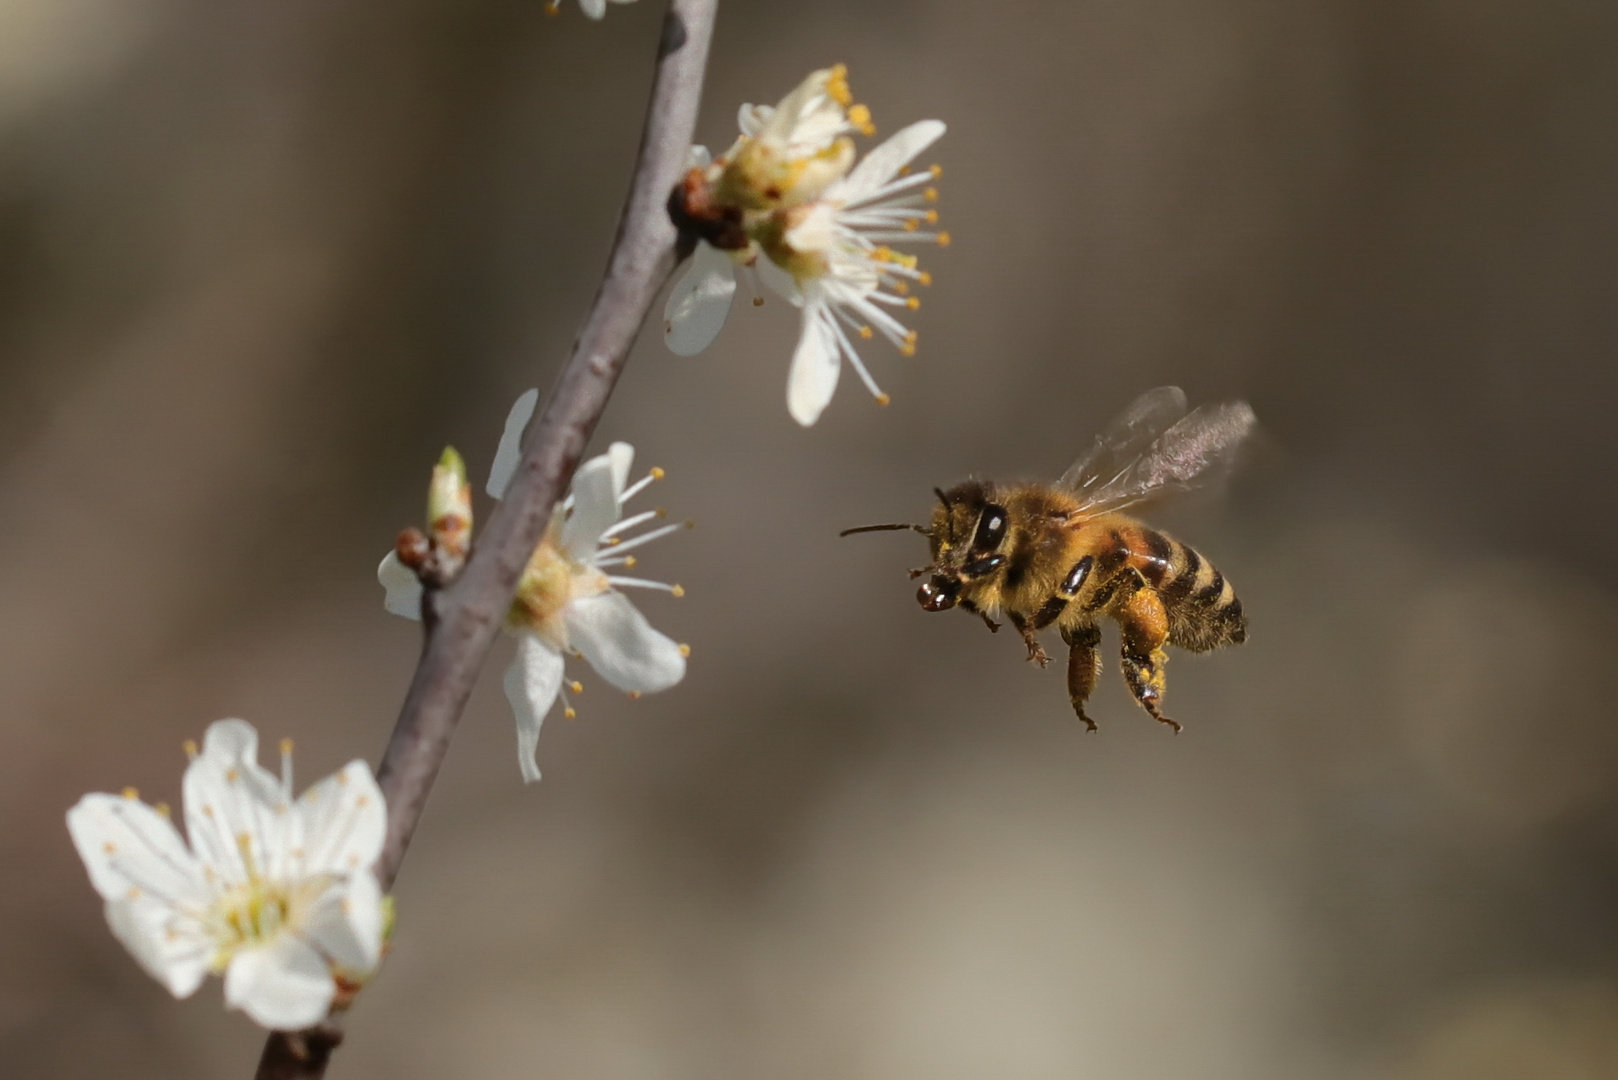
[
  {"x": 1197, "y": 449},
  {"x": 1125, "y": 439}
]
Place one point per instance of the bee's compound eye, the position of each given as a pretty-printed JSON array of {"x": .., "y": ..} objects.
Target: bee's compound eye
[
  {"x": 991, "y": 528},
  {"x": 938, "y": 594}
]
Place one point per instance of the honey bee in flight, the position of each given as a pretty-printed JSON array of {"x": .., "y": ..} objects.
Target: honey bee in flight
[{"x": 1063, "y": 554}]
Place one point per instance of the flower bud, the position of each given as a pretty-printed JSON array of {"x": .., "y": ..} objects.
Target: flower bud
[{"x": 449, "y": 506}]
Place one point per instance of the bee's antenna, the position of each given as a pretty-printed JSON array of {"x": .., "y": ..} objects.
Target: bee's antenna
[
  {"x": 884, "y": 528},
  {"x": 942, "y": 497}
]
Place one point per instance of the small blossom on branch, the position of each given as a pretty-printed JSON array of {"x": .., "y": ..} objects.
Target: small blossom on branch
[
  {"x": 568, "y": 599},
  {"x": 276, "y": 894},
  {"x": 788, "y": 190}
]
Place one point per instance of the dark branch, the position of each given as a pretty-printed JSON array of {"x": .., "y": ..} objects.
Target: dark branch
[{"x": 465, "y": 618}]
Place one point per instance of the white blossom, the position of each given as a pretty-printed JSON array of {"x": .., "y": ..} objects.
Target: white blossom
[
  {"x": 787, "y": 206},
  {"x": 568, "y": 601},
  {"x": 844, "y": 273},
  {"x": 276, "y": 894}
]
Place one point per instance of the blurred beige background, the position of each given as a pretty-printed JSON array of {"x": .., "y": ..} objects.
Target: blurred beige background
[{"x": 260, "y": 260}]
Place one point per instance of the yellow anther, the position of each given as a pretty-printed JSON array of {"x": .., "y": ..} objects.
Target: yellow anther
[
  {"x": 232, "y": 775},
  {"x": 925, "y": 278},
  {"x": 634, "y": 695},
  {"x": 286, "y": 746},
  {"x": 866, "y": 333},
  {"x": 931, "y": 194},
  {"x": 109, "y": 847},
  {"x": 912, "y": 225},
  {"x": 660, "y": 512},
  {"x": 576, "y": 686},
  {"x": 569, "y": 713},
  {"x": 837, "y": 85},
  {"x": 883, "y": 400},
  {"x": 629, "y": 562},
  {"x": 936, "y": 170},
  {"x": 901, "y": 288},
  {"x": 614, "y": 541},
  {"x": 913, "y": 303},
  {"x": 690, "y": 523},
  {"x": 860, "y": 117},
  {"x": 131, "y": 793},
  {"x": 190, "y": 748},
  {"x": 909, "y": 346},
  {"x": 162, "y": 809},
  {"x": 943, "y": 239},
  {"x": 658, "y": 473},
  {"x": 685, "y": 650},
  {"x": 758, "y": 301},
  {"x": 904, "y": 170},
  {"x": 932, "y": 217},
  {"x": 678, "y": 590}
]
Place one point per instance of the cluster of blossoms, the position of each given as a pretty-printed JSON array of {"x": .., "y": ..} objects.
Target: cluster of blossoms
[
  {"x": 274, "y": 893},
  {"x": 568, "y": 600},
  {"x": 278, "y": 894},
  {"x": 789, "y": 190}
]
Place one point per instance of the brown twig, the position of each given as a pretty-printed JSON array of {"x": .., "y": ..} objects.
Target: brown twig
[{"x": 462, "y": 620}]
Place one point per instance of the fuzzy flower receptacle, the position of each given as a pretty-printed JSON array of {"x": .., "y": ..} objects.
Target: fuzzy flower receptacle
[
  {"x": 272, "y": 892},
  {"x": 568, "y": 600},
  {"x": 797, "y": 213}
]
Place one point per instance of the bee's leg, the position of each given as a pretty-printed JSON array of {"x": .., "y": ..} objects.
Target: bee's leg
[
  {"x": 994, "y": 627},
  {"x": 1145, "y": 627},
  {"x": 1036, "y": 651},
  {"x": 1083, "y": 666}
]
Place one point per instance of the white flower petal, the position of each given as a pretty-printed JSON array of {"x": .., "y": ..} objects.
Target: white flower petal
[
  {"x": 700, "y": 302},
  {"x": 346, "y": 923},
  {"x": 172, "y": 948},
  {"x": 340, "y": 824},
  {"x": 621, "y": 645},
  {"x": 750, "y": 118},
  {"x": 815, "y": 364},
  {"x": 403, "y": 596},
  {"x": 284, "y": 985},
  {"x": 622, "y": 456},
  {"x": 593, "y": 8},
  {"x": 884, "y": 162},
  {"x": 532, "y": 682},
  {"x": 232, "y": 802},
  {"x": 509, "y": 452},
  {"x": 595, "y": 503},
  {"x": 127, "y": 845}
]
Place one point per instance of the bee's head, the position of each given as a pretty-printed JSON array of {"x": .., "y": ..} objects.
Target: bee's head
[{"x": 967, "y": 532}]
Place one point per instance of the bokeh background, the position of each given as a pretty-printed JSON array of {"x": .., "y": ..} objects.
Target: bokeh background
[{"x": 260, "y": 260}]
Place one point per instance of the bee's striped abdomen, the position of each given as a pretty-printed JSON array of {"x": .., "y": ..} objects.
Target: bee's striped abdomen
[{"x": 1204, "y": 612}]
